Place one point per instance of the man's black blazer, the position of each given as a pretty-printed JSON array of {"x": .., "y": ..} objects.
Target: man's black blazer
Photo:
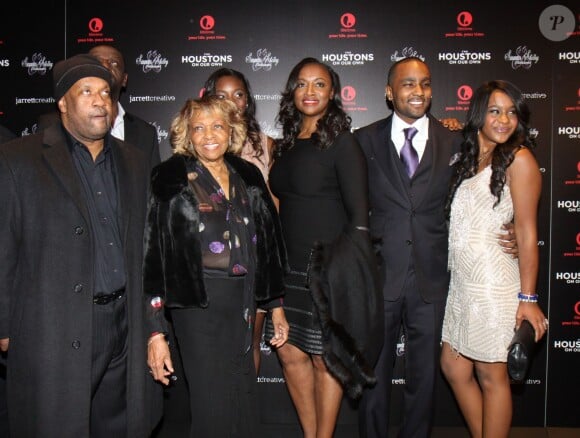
[{"x": 408, "y": 215}]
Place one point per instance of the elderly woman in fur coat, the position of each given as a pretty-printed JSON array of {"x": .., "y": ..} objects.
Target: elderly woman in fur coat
[{"x": 213, "y": 248}]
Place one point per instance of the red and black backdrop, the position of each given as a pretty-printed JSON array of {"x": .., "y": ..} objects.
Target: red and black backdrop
[{"x": 171, "y": 47}]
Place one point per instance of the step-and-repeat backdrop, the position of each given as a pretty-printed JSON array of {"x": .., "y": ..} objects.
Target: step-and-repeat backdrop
[{"x": 171, "y": 47}]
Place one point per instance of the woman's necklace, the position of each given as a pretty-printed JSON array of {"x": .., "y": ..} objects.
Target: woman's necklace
[
  {"x": 483, "y": 156},
  {"x": 218, "y": 174},
  {"x": 221, "y": 175}
]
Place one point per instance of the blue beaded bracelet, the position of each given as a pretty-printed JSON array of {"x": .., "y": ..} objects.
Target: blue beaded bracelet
[{"x": 528, "y": 298}]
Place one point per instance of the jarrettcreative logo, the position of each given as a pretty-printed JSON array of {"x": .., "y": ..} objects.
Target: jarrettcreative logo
[
  {"x": 151, "y": 99},
  {"x": 37, "y": 64},
  {"x": 348, "y": 58},
  {"x": 33, "y": 100},
  {"x": 535, "y": 95},
  {"x": 152, "y": 61},
  {"x": 206, "y": 60},
  {"x": 464, "y": 57},
  {"x": 521, "y": 57},
  {"x": 406, "y": 52},
  {"x": 347, "y": 29},
  {"x": 263, "y": 60}
]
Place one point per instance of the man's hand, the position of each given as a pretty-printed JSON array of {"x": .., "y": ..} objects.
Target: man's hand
[
  {"x": 452, "y": 124},
  {"x": 159, "y": 359},
  {"x": 4, "y": 344},
  {"x": 507, "y": 240}
]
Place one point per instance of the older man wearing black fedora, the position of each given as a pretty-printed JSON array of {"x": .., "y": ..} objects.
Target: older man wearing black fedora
[{"x": 73, "y": 210}]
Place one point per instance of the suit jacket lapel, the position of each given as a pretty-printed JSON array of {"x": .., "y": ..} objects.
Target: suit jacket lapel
[
  {"x": 427, "y": 168},
  {"x": 130, "y": 132},
  {"x": 424, "y": 173},
  {"x": 381, "y": 146},
  {"x": 59, "y": 159},
  {"x": 389, "y": 161}
]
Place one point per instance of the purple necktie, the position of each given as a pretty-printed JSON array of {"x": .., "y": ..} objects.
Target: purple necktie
[{"x": 409, "y": 155}]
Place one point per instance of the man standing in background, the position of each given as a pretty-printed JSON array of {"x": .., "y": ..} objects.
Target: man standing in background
[{"x": 126, "y": 126}]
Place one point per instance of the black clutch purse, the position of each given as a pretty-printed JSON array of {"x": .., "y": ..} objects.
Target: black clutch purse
[{"x": 520, "y": 351}]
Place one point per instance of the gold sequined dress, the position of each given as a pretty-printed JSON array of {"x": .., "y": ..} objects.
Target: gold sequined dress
[{"x": 482, "y": 302}]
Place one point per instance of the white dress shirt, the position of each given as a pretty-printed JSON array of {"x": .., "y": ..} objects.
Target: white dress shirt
[
  {"x": 118, "y": 128},
  {"x": 420, "y": 138}
]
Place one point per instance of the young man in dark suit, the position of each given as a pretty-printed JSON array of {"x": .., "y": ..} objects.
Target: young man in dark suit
[{"x": 409, "y": 155}]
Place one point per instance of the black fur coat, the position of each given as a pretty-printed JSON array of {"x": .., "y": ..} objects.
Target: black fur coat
[
  {"x": 347, "y": 296},
  {"x": 173, "y": 268}
]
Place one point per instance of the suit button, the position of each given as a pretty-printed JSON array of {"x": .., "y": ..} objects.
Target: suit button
[
  {"x": 409, "y": 242},
  {"x": 76, "y": 344},
  {"x": 412, "y": 213},
  {"x": 78, "y": 288},
  {"x": 79, "y": 230}
]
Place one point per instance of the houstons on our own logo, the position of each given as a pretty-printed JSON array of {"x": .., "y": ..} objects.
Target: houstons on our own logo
[
  {"x": 568, "y": 277},
  {"x": 572, "y": 206},
  {"x": 569, "y": 131},
  {"x": 464, "y": 57},
  {"x": 347, "y": 58},
  {"x": 206, "y": 60}
]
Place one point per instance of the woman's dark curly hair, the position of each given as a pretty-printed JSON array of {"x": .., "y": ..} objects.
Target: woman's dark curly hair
[
  {"x": 250, "y": 111},
  {"x": 503, "y": 154},
  {"x": 332, "y": 123}
]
